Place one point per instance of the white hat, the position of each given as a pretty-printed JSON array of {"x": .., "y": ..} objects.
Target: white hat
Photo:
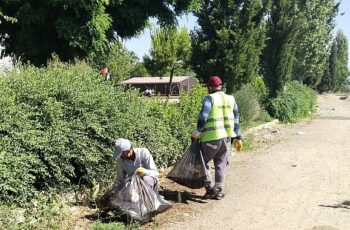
[{"x": 121, "y": 145}]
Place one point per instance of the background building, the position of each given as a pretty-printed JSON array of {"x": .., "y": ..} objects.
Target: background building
[{"x": 160, "y": 85}]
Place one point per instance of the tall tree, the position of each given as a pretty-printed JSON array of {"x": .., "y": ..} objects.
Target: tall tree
[
  {"x": 230, "y": 40},
  {"x": 284, "y": 23},
  {"x": 313, "y": 41},
  {"x": 327, "y": 82},
  {"x": 131, "y": 16},
  {"x": 170, "y": 52},
  {"x": 77, "y": 28},
  {"x": 68, "y": 28},
  {"x": 338, "y": 71},
  {"x": 342, "y": 70}
]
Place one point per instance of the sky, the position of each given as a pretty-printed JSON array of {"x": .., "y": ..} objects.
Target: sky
[
  {"x": 141, "y": 44},
  {"x": 343, "y": 21}
]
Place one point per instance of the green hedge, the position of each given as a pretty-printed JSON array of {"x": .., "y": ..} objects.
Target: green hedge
[
  {"x": 248, "y": 103},
  {"x": 56, "y": 129},
  {"x": 59, "y": 124},
  {"x": 175, "y": 121},
  {"x": 295, "y": 102}
]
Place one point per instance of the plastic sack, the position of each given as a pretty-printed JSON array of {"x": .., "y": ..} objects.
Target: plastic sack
[
  {"x": 135, "y": 198},
  {"x": 190, "y": 171}
]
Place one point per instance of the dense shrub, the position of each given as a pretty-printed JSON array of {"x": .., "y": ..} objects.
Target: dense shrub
[
  {"x": 295, "y": 102},
  {"x": 248, "y": 103},
  {"x": 56, "y": 128},
  {"x": 347, "y": 88},
  {"x": 187, "y": 112},
  {"x": 260, "y": 88},
  {"x": 264, "y": 116},
  {"x": 180, "y": 119},
  {"x": 59, "y": 124}
]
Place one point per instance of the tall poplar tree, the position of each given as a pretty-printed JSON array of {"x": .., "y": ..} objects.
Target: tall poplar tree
[
  {"x": 229, "y": 40},
  {"x": 284, "y": 24},
  {"x": 313, "y": 41},
  {"x": 335, "y": 78}
]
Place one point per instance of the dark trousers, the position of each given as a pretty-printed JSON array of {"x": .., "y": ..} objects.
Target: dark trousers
[{"x": 218, "y": 151}]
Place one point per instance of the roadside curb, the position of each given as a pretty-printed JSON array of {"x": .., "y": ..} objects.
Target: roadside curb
[{"x": 263, "y": 126}]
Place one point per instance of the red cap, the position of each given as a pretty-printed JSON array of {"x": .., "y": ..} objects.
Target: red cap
[
  {"x": 214, "y": 81},
  {"x": 104, "y": 70}
]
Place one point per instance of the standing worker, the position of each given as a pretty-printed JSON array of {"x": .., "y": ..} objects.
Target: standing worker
[
  {"x": 217, "y": 128},
  {"x": 135, "y": 160}
]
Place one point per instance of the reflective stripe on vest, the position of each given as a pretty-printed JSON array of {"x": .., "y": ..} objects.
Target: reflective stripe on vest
[{"x": 220, "y": 122}]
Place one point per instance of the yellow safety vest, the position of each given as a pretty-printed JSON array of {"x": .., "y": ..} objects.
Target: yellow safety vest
[{"x": 220, "y": 122}]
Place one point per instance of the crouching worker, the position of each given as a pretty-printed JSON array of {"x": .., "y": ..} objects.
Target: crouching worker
[
  {"x": 135, "y": 191},
  {"x": 135, "y": 161}
]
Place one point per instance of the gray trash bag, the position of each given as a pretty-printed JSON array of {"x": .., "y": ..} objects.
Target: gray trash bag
[
  {"x": 190, "y": 171},
  {"x": 135, "y": 198}
]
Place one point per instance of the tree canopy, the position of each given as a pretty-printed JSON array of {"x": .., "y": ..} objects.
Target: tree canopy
[
  {"x": 299, "y": 36},
  {"x": 313, "y": 41},
  {"x": 284, "y": 24},
  {"x": 336, "y": 77},
  {"x": 229, "y": 41},
  {"x": 120, "y": 62},
  {"x": 35, "y": 29},
  {"x": 170, "y": 52}
]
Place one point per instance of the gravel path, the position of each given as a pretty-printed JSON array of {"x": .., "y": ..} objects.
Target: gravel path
[{"x": 301, "y": 182}]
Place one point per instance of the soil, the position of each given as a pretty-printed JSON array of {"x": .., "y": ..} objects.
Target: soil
[
  {"x": 293, "y": 176},
  {"x": 297, "y": 178}
]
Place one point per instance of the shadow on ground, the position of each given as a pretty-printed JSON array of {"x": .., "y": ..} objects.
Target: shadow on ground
[
  {"x": 181, "y": 197},
  {"x": 117, "y": 216},
  {"x": 344, "y": 205}
]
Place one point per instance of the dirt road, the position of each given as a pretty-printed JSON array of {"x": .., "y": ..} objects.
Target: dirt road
[{"x": 302, "y": 182}]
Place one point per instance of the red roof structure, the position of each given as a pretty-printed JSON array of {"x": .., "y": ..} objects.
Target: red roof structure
[
  {"x": 154, "y": 80},
  {"x": 160, "y": 85}
]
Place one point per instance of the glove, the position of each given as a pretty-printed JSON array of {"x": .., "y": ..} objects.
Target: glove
[
  {"x": 238, "y": 145},
  {"x": 235, "y": 138},
  {"x": 140, "y": 171},
  {"x": 195, "y": 135}
]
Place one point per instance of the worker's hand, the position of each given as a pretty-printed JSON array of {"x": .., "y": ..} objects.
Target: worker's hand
[
  {"x": 140, "y": 171},
  {"x": 238, "y": 145},
  {"x": 195, "y": 135}
]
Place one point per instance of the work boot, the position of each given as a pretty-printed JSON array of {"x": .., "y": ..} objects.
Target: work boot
[
  {"x": 210, "y": 193},
  {"x": 219, "y": 194},
  {"x": 214, "y": 193}
]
